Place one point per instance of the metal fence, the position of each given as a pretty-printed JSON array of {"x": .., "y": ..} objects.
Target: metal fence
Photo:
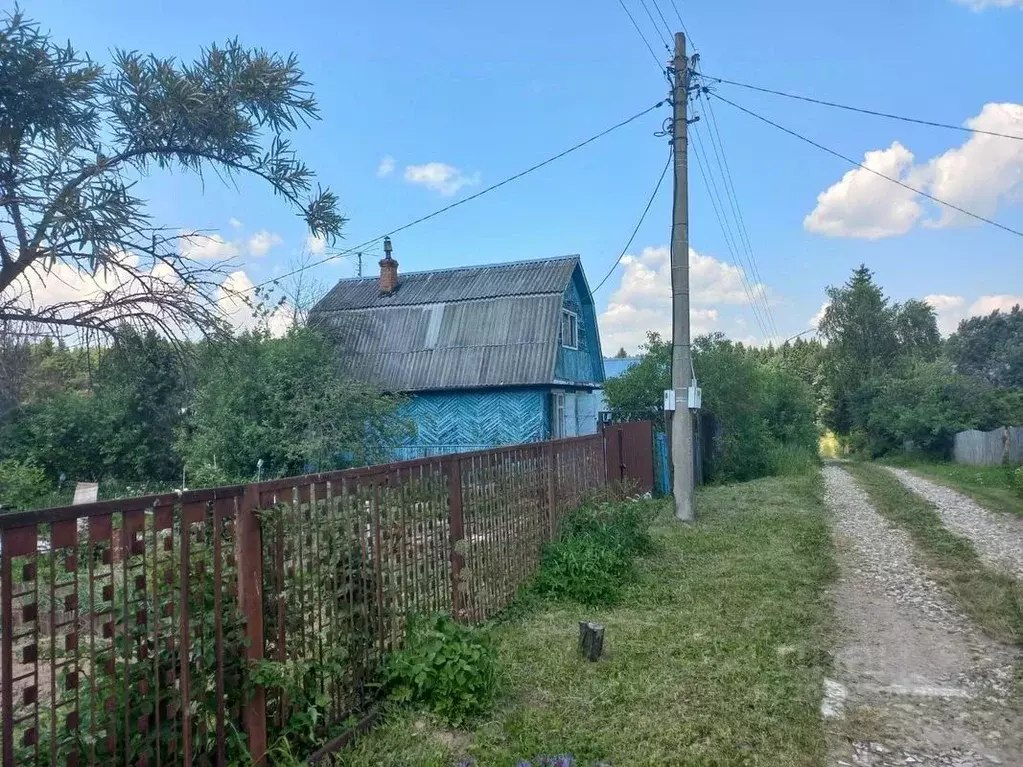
[
  {"x": 989, "y": 448},
  {"x": 145, "y": 631}
]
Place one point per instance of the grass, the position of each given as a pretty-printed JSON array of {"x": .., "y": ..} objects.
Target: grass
[
  {"x": 714, "y": 656},
  {"x": 990, "y": 486},
  {"x": 992, "y": 598}
]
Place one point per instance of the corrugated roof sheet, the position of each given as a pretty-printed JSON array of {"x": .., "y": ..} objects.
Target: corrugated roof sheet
[
  {"x": 461, "y": 284},
  {"x": 494, "y": 325}
]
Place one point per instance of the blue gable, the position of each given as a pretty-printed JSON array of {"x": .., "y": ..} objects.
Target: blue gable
[{"x": 584, "y": 365}]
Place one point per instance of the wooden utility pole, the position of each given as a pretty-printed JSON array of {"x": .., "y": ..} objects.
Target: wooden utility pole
[{"x": 681, "y": 360}]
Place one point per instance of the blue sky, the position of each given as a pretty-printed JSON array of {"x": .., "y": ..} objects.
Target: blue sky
[{"x": 488, "y": 89}]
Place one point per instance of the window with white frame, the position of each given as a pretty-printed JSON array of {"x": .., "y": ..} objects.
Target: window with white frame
[
  {"x": 557, "y": 415},
  {"x": 569, "y": 329}
]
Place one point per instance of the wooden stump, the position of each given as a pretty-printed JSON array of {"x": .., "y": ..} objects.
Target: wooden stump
[{"x": 591, "y": 640}]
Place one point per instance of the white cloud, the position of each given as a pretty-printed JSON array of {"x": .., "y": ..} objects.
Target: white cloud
[
  {"x": 315, "y": 245},
  {"x": 815, "y": 321},
  {"x": 865, "y": 205},
  {"x": 207, "y": 247},
  {"x": 440, "y": 177},
  {"x": 980, "y": 5},
  {"x": 260, "y": 243},
  {"x": 980, "y": 175},
  {"x": 235, "y": 223},
  {"x": 987, "y": 304},
  {"x": 386, "y": 166},
  {"x": 984, "y": 172},
  {"x": 950, "y": 310},
  {"x": 642, "y": 300}
]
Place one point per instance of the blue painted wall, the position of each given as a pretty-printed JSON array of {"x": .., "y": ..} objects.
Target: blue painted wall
[
  {"x": 585, "y": 364},
  {"x": 458, "y": 421}
]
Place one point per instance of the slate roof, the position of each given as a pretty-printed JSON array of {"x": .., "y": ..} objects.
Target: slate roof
[{"x": 470, "y": 327}]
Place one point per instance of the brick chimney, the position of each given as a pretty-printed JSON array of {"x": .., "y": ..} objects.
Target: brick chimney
[{"x": 388, "y": 270}]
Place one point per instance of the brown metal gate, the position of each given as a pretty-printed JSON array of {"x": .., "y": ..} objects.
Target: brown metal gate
[{"x": 628, "y": 453}]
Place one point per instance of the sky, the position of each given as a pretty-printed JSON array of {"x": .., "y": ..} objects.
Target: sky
[{"x": 425, "y": 103}]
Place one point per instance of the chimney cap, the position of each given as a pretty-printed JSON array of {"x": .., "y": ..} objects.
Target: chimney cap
[{"x": 387, "y": 248}]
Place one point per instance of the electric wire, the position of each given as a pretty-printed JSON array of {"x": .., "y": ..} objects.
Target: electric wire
[
  {"x": 683, "y": 24},
  {"x": 720, "y": 213},
  {"x": 861, "y": 110},
  {"x": 639, "y": 223},
  {"x": 660, "y": 64},
  {"x": 860, "y": 165},
  {"x": 653, "y": 23},
  {"x": 667, "y": 27},
  {"x": 757, "y": 281},
  {"x": 365, "y": 245}
]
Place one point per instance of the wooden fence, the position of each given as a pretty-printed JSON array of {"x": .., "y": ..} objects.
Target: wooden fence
[
  {"x": 145, "y": 631},
  {"x": 989, "y": 448}
]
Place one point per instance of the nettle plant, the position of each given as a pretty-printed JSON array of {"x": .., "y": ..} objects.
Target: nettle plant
[{"x": 444, "y": 667}]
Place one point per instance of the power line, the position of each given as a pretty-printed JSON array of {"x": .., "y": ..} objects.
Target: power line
[
  {"x": 639, "y": 223},
  {"x": 364, "y": 245},
  {"x": 869, "y": 170},
  {"x": 667, "y": 27},
  {"x": 733, "y": 199},
  {"x": 660, "y": 64},
  {"x": 653, "y": 23},
  {"x": 680, "y": 21},
  {"x": 726, "y": 231},
  {"x": 861, "y": 110}
]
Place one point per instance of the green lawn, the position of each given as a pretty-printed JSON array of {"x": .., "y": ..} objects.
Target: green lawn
[
  {"x": 987, "y": 485},
  {"x": 992, "y": 598},
  {"x": 714, "y": 657}
]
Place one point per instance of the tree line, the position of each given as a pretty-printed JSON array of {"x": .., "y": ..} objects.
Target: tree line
[
  {"x": 879, "y": 377},
  {"x": 143, "y": 413},
  {"x": 889, "y": 382}
]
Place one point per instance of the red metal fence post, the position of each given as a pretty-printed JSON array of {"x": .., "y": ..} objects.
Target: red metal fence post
[
  {"x": 7, "y": 702},
  {"x": 249, "y": 553},
  {"x": 453, "y": 470}
]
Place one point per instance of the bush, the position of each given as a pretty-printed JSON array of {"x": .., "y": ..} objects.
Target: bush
[
  {"x": 1016, "y": 480},
  {"x": 444, "y": 667},
  {"x": 583, "y": 569},
  {"x": 23, "y": 484},
  {"x": 592, "y": 560}
]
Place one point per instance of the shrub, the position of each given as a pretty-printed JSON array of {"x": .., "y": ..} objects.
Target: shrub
[
  {"x": 592, "y": 560},
  {"x": 23, "y": 484},
  {"x": 1016, "y": 480},
  {"x": 584, "y": 569},
  {"x": 444, "y": 667},
  {"x": 623, "y": 527}
]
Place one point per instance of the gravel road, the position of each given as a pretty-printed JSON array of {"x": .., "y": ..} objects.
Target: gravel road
[
  {"x": 997, "y": 538},
  {"x": 915, "y": 681}
]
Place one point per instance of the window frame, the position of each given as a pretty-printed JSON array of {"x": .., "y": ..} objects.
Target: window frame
[
  {"x": 574, "y": 324},
  {"x": 557, "y": 415}
]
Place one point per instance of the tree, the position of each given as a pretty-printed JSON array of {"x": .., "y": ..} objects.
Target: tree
[
  {"x": 859, "y": 326},
  {"x": 140, "y": 394},
  {"x": 284, "y": 401},
  {"x": 763, "y": 408},
  {"x": 926, "y": 403},
  {"x": 991, "y": 347},
  {"x": 75, "y": 136},
  {"x": 638, "y": 393},
  {"x": 916, "y": 330},
  {"x": 621, "y": 354}
]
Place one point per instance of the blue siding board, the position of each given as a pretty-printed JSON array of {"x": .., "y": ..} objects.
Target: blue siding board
[
  {"x": 456, "y": 421},
  {"x": 584, "y": 365}
]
